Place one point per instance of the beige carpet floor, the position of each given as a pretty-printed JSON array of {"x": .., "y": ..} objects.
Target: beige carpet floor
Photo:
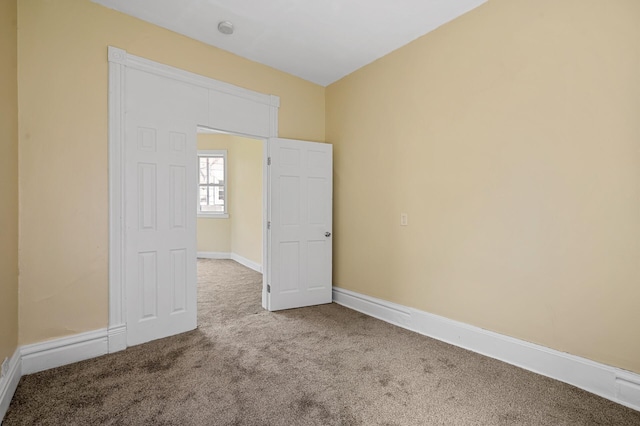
[{"x": 324, "y": 365}]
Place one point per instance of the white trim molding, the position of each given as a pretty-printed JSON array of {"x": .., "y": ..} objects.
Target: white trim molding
[
  {"x": 246, "y": 262},
  {"x": 117, "y": 62},
  {"x": 66, "y": 350},
  {"x": 213, "y": 255},
  {"x": 9, "y": 382},
  {"x": 609, "y": 382},
  {"x": 117, "y": 338},
  {"x": 233, "y": 256},
  {"x": 122, "y": 57}
]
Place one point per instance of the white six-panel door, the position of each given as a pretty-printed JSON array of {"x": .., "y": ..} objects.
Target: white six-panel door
[
  {"x": 160, "y": 214},
  {"x": 300, "y": 240}
]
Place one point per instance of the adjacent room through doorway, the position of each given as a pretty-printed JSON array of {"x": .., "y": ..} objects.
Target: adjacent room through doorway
[{"x": 230, "y": 199}]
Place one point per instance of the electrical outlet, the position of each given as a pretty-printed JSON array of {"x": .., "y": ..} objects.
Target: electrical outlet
[
  {"x": 404, "y": 219},
  {"x": 5, "y": 367}
]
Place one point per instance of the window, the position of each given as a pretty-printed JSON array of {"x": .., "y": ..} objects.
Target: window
[{"x": 212, "y": 183}]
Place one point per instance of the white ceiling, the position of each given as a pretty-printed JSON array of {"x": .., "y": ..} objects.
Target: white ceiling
[{"x": 317, "y": 40}]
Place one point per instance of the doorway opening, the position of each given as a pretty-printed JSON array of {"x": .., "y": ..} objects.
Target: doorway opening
[{"x": 230, "y": 201}]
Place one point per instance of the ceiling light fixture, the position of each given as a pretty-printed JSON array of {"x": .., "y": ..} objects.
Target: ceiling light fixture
[{"x": 225, "y": 27}]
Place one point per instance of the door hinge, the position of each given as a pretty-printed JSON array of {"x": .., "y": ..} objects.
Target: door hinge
[
  {"x": 268, "y": 288},
  {"x": 268, "y": 161},
  {"x": 269, "y": 225}
]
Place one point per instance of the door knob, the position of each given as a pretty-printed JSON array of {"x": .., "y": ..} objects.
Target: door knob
[{"x": 327, "y": 234}]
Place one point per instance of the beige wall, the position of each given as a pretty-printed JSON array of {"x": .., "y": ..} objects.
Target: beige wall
[
  {"x": 241, "y": 233},
  {"x": 8, "y": 179},
  {"x": 511, "y": 138},
  {"x": 62, "y": 59},
  {"x": 246, "y": 198}
]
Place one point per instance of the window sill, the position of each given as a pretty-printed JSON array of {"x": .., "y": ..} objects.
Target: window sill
[{"x": 214, "y": 215}]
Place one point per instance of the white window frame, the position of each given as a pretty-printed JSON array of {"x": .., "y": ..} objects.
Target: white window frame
[{"x": 215, "y": 153}]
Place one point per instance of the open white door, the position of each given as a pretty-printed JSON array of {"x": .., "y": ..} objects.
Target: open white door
[
  {"x": 160, "y": 206},
  {"x": 300, "y": 216}
]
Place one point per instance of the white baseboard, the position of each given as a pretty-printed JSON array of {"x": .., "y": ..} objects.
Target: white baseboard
[
  {"x": 246, "y": 262},
  {"x": 612, "y": 383},
  {"x": 9, "y": 383},
  {"x": 213, "y": 255},
  {"x": 233, "y": 256},
  {"x": 117, "y": 336},
  {"x": 63, "y": 351}
]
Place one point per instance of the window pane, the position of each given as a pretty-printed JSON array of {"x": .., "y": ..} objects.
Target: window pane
[
  {"x": 203, "y": 170},
  {"x": 211, "y": 198},
  {"x": 216, "y": 165},
  {"x": 212, "y": 170},
  {"x": 211, "y": 184}
]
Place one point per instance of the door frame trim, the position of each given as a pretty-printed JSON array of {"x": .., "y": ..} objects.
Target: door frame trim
[{"x": 119, "y": 60}]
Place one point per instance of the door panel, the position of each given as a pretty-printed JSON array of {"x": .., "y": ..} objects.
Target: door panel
[
  {"x": 178, "y": 198},
  {"x": 148, "y": 282},
  {"x": 178, "y": 280},
  {"x": 300, "y": 204},
  {"x": 160, "y": 206}
]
